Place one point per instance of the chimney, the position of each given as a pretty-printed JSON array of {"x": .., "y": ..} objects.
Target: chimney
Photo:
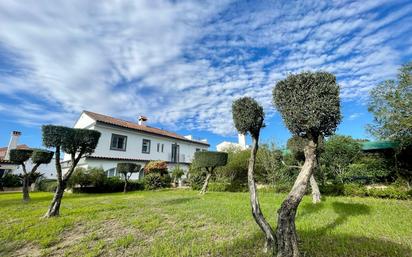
[
  {"x": 142, "y": 120},
  {"x": 242, "y": 140},
  {"x": 14, "y": 140},
  {"x": 190, "y": 137}
]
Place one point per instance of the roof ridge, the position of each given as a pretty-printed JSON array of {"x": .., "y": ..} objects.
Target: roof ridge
[{"x": 132, "y": 125}]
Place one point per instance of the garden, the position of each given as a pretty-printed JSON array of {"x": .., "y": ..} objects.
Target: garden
[{"x": 324, "y": 194}]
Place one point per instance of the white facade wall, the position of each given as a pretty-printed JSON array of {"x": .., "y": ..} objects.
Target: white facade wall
[
  {"x": 48, "y": 170},
  {"x": 134, "y": 147}
]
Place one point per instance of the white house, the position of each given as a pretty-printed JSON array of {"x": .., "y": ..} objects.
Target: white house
[
  {"x": 6, "y": 166},
  {"x": 125, "y": 141},
  {"x": 226, "y": 146}
]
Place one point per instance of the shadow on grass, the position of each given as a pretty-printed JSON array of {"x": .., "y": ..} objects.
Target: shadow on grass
[
  {"x": 344, "y": 211},
  {"x": 182, "y": 200},
  {"x": 313, "y": 244}
]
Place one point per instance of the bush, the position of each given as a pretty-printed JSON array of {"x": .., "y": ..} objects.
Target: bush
[
  {"x": 196, "y": 180},
  {"x": 46, "y": 185},
  {"x": 227, "y": 187},
  {"x": 392, "y": 192},
  {"x": 10, "y": 180},
  {"x": 159, "y": 167},
  {"x": 155, "y": 181}
]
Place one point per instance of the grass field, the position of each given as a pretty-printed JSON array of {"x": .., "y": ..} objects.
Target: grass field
[{"x": 182, "y": 223}]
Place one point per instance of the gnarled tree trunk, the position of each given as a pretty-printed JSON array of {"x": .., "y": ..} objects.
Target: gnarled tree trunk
[
  {"x": 315, "y": 190},
  {"x": 205, "y": 185},
  {"x": 25, "y": 188},
  {"x": 254, "y": 202},
  {"x": 125, "y": 186},
  {"x": 54, "y": 208},
  {"x": 287, "y": 239}
]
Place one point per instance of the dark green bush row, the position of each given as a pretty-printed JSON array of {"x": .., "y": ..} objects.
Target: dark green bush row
[
  {"x": 227, "y": 187},
  {"x": 10, "y": 180},
  {"x": 110, "y": 185},
  {"x": 391, "y": 192}
]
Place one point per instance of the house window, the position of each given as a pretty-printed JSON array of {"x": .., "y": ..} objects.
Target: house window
[
  {"x": 163, "y": 146},
  {"x": 197, "y": 149},
  {"x": 111, "y": 172},
  {"x": 146, "y": 146},
  {"x": 158, "y": 147},
  {"x": 118, "y": 142}
]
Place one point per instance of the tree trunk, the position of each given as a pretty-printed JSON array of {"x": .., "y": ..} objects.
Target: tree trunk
[
  {"x": 287, "y": 239},
  {"x": 315, "y": 190},
  {"x": 125, "y": 186},
  {"x": 254, "y": 202},
  {"x": 204, "y": 188},
  {"x": 25, "y": 187},
  {"x": 54, "y": 208}
]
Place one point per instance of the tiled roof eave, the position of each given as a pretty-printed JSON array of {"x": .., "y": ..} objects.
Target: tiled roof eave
[
  {"x": 127, "y": 159},
  {"x": 152, "y": 133}
]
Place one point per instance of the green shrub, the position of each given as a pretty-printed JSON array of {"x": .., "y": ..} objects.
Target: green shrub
[
  {"x": 332, "y": 189},
  {"x": 227, "y": 187},
  {"x": 196, "y": 180},
  {"x": 10, "y": 180},
  {"x": 210, "y": 159},
  {"x": 154, "y": 181},
  {"x": 354, "y": 190},
  {"x": 392, "y": 192},
  {"x": 46, "y": 185}
]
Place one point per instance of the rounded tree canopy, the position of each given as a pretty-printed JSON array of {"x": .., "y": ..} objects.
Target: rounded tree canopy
[
  {"x": 210, "y": 159},
  {"x": 125, "y": 167},
  {"x": 71, "y": 140},
  {"x": 41, "y": 156},
  {"x": 20, "y": 155},
  {"x": 309, "y": 103},
  {"x": 54, "y": 136},
  {"x": 248, "y": 115}
]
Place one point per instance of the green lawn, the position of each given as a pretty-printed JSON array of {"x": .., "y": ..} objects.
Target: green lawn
[{"x": 182, "y": 223}]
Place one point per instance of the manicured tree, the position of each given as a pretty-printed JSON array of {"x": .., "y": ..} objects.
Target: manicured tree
[
  {"x": 210, "y": 161},
  {"x": 127, "y": 169},
  {"x": 248, "y": 117},
  {"x": 296, "y": 145},
  {"x": 38, "y": 157},
  {"x": 310, "y": 107},
  {"x": 77, "y": 143}
]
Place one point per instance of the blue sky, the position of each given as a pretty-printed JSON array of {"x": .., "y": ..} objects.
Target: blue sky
[{"x": 182, "y": 63}]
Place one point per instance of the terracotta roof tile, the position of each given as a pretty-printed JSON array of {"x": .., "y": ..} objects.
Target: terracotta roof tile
[
  {"x": 3, "y": 150},
  {"x": 142, "y": 128}
]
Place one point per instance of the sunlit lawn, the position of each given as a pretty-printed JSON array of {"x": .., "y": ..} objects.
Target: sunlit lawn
[{"x": 182, "y": 223}]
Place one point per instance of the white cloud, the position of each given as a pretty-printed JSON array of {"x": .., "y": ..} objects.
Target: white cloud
[{"x": 183, "y": 62}]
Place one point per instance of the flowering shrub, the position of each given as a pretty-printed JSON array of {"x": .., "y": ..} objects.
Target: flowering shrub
[{"x": 159, "y": 167}]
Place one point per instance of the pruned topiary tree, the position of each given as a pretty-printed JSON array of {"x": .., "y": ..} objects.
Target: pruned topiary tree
[
  {"x": 127, "y": 170},
  {"x": 310, "y": 107},
  {"x": 209, "y": 161},
  {"x": 296, "y": 145},
  {"x": 38, "y": 157},
  {"x": 248, "y": 117},
  {"x": 77, "y": 143}
]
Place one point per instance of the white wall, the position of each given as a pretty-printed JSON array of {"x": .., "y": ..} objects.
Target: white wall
[
  {"x": 48, "y": 170},
  {"x": 134, "y": 145}
]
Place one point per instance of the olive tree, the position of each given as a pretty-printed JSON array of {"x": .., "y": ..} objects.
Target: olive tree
[
  {"x": 209, "y": 161},
  {"x": 310, "y": 107},
  {"x": 248, "y": 117},
  {"x": 127, "y": 170},
  {"x": 296, "y": 145},
  {"x": 38, "y": 157},
  {"x": 77, "y": 143}
]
